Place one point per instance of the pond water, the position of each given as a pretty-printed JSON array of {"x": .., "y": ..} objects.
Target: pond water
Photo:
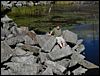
[
  {"x": 90, "y": 41},
  {"x": 92, "y": 50}
]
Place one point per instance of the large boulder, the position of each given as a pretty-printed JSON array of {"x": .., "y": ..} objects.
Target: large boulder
[
  {"x": 55, "y": 65},
  {"x": 88, "y": 64},
  {"x": 30, "y": 48},
  {"x": 43, "y": 57},
  {"x": 48, "y": 71},
  {"x": 60, "y": 53},
  {"x": 7, "y": 72},
  {"x": 64, "y": 62},
  {"x": 14, "y": 30},
  {"x": 28, "y": 40},
  {"x": 5, "y": 32},
  {"x": 18, "y": 51},
  {"x": 5, "y": 19},
  {"x": 15, "y": 40},
  {"x": 80, "y": 48},
  {"x": 6, "y": 51},
  {"x": 48, "y": 46},
  {"x": 42, "y": 39},
  {"x": 79, "y": 71},
  {"x": 77, "y": 44},
  {"x": 27, "y": 59},
  {"x": 76, "y": 58},
  {"x": 22, "y": 68},
  {"x": 32, "y": 35},
  {"x": 70, "y": 36}
]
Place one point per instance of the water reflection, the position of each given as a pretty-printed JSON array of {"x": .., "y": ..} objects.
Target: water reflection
[{"x": 91, "y": 41}]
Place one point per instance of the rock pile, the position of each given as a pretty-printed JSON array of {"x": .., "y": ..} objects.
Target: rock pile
[
  {"x": 23, "y": 52},
  {"x": 10, "y": 4}
]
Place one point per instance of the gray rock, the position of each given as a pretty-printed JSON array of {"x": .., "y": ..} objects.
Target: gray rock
[
  {"x": 30, "y": 48},
  {"x": 48, "y": 46},
  {"x": 55, "y": 65},
  {"x": 19, "y": 5},
  {"x": 15, "y": 40},
  {"x": 9, "y": 36},
  {"x": 70, "y": 36},
  {"x": 14, "y": 30},
  {"x": 57, "y": 72},
  {"x": 80, "y": 48},
  {"x": 32, "y": 35},
  {"x": 88, "y": 64},
  {"x": 60, "y": 53},
  {"x": 43, "y": 57},
  {"x": 23, "y": 69},
  {"x": 72, "y": 63},
  {"x": 79, "y": 71},
  {"x": 64, "y": 62},
  {"x": 6, "y": 51},
  {"x": 2, "y": 38},
  {"x": 19, "y": 51},
  {"x": 19, "y": 44},
  {"x": 5, "y": 19},
  {"x": 7, "y": 72},
  {"x": 5, "y": 32},
  {"x": 76, "y": 58},
  {"x": 27, "y": 59},
  {"x": 30, "y": 3},
  {"x": 41, "y": 39},
  {"x": 77, "y": 44},
  {"x": 48, "y": 71},
  {"x": 28, "y": 40}
]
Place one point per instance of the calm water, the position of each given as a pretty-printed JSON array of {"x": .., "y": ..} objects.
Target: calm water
[
  {"x": 91, "y": 42},
  {"x": 92, "y": 50}
]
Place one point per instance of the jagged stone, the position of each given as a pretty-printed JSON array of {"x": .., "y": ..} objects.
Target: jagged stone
[
  {"x": 23, "y": 69},
  {"x": 88, "y": 64},
  {"x": 48, "y": 46},
  {"x": 76, "y": 58},
  {"x": 9, "y": 36},
  {"x": 14, "y": 30},
  {"x": 72, "y": 63},
  {"x": 55, "y": 65},
  {"x": 48, "y": 71},
  {"x": 60, "y": 53},
  {"x": 64, "y": 62},
  {"x": 7, "y": 72},
  {"x": 27, "y": 59},
  {"x": 70, "y": 36},
  {"x": 43, "y": 57},
  {"x": 80, "y": 48},
  {"x": 5, "y": 32},
  {"x": 57, "y": 72},
  {"x": 19, "y": 44},
  {"x": 79, "y": 71},
  {"x": 32, "y": 35},
  {"x": 6, "y": 51},
  {"x": 15, "y": 40},
  {"x": 19, "y": 51},
  {"x": 77, "y": 44},
  {"x": 41, "y": 39},
  {"x": 30, "y": 48},
  {"x": 5, "y": 19},
  {"x": 28, "y": 40}
]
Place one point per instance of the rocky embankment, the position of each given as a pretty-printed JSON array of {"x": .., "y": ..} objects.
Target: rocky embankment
[{"x": 23, "y": 52}]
